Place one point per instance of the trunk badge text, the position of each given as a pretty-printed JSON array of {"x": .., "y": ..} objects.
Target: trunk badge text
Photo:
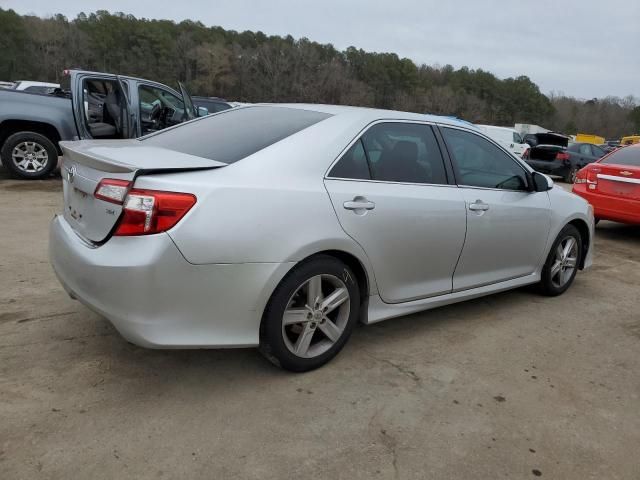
[{"x": 626, "y": 173}]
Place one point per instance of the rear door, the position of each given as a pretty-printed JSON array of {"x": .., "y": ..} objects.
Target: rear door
[
  {"x": 507, "y": 225},
  {"x": 392, "y": 195},
  {"x": 91, "y": 96}
]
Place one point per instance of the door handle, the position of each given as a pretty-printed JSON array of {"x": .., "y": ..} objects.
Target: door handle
[
  {"x": 359, "y": 203},
  {"x": 478, "y": 206}
]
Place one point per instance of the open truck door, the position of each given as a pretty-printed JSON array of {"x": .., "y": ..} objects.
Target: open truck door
[{"x": 102, "y": 107}]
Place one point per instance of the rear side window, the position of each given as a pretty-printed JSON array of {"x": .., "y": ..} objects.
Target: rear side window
[
  {"x": 394, "y": 152},
  {"x": 353, "y": 164},
  {"x": 624, "y": 156},
  {"x": 236, "y": 133}
]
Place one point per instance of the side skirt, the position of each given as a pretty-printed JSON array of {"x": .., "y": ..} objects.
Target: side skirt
[{"x": 378, "y": 310}]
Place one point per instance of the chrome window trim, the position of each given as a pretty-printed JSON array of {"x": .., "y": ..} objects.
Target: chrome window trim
[
  {"x": 359, "y": 136},
  {"x": 614, "y": 178},
  {"x": 342, "y": 179}
]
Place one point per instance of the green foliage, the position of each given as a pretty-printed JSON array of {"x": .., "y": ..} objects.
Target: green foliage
[{"x": 253, "y": 67}]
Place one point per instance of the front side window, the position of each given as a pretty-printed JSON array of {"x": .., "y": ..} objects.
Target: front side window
[
  {"x": 159, "y": 109},
  {"x": 517, "y": 138},
  {"x": 480, "y": 163}
]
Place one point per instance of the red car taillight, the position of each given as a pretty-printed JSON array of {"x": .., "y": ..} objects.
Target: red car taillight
[
  {"x": 144, "y": 211},
  {"x": 562, "y": 156},
  {"x": 525, "y": 154},
  {"x": 151, "y": 211},
  {"x": 588, "y": 174}
]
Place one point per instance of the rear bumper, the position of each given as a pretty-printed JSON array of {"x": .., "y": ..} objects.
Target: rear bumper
[
  {"x": 552, "y": 167},
  {"x": 607, "y": 207},
  {"x": 155, "y": 298}
]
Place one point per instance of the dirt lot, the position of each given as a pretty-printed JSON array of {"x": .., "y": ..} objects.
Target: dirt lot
[{"x": 509, "y": 386}]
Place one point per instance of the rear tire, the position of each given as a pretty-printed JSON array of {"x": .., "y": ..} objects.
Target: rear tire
[
  {"x": 570, "y": 176},
  {"x": 310, "y": 315},
  {"x": 29, "y": 155},
  {"x": 562, "y": 263}
]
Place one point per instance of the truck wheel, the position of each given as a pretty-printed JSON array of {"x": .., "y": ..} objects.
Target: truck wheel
[{"x": 29, "y": 155}]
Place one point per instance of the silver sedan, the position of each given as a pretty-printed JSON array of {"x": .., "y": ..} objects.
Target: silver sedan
[{"x": 281, "y": 226}]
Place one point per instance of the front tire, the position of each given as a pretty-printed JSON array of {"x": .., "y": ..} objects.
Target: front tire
[
  {"x": 562, "y": 263},
  {"x": 310, "y": 315},
  {"x": 29, "y": 155}
]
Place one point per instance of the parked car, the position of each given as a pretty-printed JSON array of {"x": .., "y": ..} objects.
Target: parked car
[
  {"x": 509, "y": 138},
  {"x": 281, "y": 226},
  {"x": 612, "y": 185},
  {"x": 32, "y": 125},
  {"x": 553, "y": 155},
  {"x": 210, "y": 104},
  {"x": 630, "y": 140},
  {"x": 35, "y": 87},
  {"x": 4, "y": 84},
  {"x": 589, "y": 138}
]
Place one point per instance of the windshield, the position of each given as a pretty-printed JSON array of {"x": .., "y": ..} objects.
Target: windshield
[{"x": 235, "y": 134}]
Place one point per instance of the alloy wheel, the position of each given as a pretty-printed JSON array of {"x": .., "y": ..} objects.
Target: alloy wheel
[
  {"x": 316, "y": 316},
  {"x": 30, "y": 157},
  {"x": 565, "y": 262}
]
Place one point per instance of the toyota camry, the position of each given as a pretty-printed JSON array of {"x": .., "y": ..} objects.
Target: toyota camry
[{"x": 282, "y": 226}]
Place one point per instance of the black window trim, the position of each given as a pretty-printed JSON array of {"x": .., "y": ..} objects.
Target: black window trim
[
  {"x": 444, "y": 155},
  {"x": 527, "y": 173}
]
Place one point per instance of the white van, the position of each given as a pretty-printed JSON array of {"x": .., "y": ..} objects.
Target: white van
[{"x": 509, "y": 138}]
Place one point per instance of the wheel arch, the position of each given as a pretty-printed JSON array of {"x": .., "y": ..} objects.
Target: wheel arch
[
  {"x": 9, "y": 127},
  {"x": 583, "y": 229},
  {"x": 359, "y": 268}
]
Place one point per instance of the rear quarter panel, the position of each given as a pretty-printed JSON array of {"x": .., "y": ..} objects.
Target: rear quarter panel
[{"x": 271, "y": 207}]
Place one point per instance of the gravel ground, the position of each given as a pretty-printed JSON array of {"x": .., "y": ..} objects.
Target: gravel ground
[{"x": 513, "y": 385}]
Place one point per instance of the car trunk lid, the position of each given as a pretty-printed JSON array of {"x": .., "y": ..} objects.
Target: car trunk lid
[
  {"x": 548, "y": 146},
  {"x": 621, "y": 181},
  {"x": 86, "y": 163}
]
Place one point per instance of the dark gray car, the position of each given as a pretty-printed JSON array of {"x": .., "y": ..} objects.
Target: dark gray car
[{"x": 551, "y": 153}]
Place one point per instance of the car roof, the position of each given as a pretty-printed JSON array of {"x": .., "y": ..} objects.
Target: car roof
[{"x": 373, "y": 114}]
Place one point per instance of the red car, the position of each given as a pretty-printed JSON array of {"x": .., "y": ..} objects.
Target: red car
[{"x": 612, "y": 185}]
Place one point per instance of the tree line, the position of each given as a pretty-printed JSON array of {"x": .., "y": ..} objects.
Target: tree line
[{"x": 253, "y": 67}]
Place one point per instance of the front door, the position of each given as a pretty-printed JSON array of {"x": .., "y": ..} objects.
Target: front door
[
  {"x": 391, "y": 194},
  {"x": 507, "y": 224}
]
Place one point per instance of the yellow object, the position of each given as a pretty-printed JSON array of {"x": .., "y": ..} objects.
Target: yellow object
[
  {"x": 630, "y": 140},
  {"x": 587, "y": 138}
]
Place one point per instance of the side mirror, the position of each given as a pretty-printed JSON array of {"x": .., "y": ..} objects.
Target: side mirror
[
  {"x": 541, "y": 183},
  {"x": 203, "y": 111}
]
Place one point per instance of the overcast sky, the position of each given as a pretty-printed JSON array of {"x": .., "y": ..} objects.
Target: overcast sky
[{"x": 584, "y": 48}]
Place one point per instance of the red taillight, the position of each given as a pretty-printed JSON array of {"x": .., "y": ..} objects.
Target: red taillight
[
  {"x": 525, "y": 154},
  {"x": 562, "y": 156},
  {"x": 589, "y": 175},
  {"x": 112, "y": 190},
  {"x": 150, "y": 211}
]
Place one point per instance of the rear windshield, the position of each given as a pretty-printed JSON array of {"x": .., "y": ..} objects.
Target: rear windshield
[
  {"x": 235, "y": 134},
  {"x": 625, "y": 156}
]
